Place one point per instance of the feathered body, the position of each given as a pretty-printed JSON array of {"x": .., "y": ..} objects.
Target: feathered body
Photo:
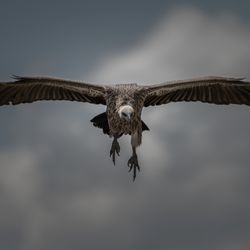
[{"x": 121, "y": 95}]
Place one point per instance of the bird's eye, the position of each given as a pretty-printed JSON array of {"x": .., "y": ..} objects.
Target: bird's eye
[{"x": 124, "y": 114}]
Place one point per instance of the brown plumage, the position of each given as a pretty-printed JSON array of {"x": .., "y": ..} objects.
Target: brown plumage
[{"x": 125, "y": 101}]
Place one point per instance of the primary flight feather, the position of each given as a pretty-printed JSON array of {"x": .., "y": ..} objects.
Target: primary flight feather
[{"x": 125, "y": 101}]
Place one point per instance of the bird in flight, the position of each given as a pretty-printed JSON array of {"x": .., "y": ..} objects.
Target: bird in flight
[{"x": 124, "y": 102}]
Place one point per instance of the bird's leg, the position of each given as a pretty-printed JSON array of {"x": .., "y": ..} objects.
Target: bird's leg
[
  {"x": 115, "y": 148},
  {"x": 133, "y": 163}
]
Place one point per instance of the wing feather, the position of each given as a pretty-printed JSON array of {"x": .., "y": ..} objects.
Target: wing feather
[
  {"x": 31, "y": 89},
  {"x": 218, "y": 90}
]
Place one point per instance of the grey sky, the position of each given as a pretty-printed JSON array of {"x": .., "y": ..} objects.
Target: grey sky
[{"x": 58, "y": 187}]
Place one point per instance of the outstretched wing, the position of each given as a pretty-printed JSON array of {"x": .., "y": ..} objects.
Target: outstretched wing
[
  {"x": 31, "y": 89},
  {"x": 218, "y": 90}
]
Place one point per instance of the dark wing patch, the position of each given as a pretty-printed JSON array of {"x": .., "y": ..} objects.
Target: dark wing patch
[
  {"x": 144, "y": 126},
  {"x": 31, "y": 89},
  {"x": 217, "y": 90},
  {"x": 101, "y": 121}
]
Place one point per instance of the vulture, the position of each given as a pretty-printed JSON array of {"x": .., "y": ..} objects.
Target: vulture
[{"x": 124, "y": 102}]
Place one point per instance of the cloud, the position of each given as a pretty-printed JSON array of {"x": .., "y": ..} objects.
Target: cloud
[{"x": 186, "y": 43}]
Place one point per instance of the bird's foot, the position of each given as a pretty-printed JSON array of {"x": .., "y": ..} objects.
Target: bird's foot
[
  {"x": 115, "y": 149},
  {"x": 133, "y": 165}
]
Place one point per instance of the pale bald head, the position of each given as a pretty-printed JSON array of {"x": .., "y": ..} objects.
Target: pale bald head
[{"x": 125, "y": 112}]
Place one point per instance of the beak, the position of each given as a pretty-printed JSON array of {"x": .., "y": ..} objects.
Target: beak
[{"x": 128, "y": 118}]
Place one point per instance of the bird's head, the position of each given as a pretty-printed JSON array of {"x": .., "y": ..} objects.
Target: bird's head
[{"x": 125, "y": 112}]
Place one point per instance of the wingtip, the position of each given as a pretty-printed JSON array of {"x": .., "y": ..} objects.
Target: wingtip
[{"x": 15, "y": 77}]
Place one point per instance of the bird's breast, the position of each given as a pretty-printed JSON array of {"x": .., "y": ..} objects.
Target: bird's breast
[{"x": 119, "y": 126}]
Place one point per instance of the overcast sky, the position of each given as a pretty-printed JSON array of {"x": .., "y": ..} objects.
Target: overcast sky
[{"x": 58, "y": 186}]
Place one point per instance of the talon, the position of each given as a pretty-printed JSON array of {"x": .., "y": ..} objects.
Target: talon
[
  {"x": 134, "y": 174},
  {"x": 133, "y": 164},
  {"x": 115, "y": 149},
  {"x": 130, "y": 168}
]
